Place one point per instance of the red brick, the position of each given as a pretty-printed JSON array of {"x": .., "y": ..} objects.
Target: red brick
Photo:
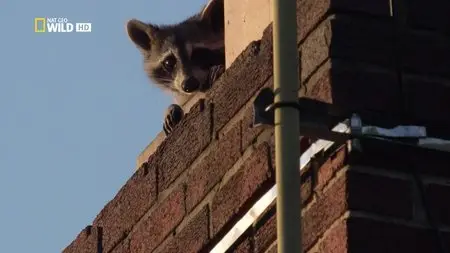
[
  {"x": 244, "y": 247},
  {"x": 151, "y": 231},
  {"x": 357, "y": 234},
  {"x": 381, "y": 155},
  {"x": 427, "y": 100},
  {"x": 380, "y": 195},
  {"x": 247, "y": 74},
  {"x": 335, "y": 241},
  {"x": 438, "y": 196},
  {"x": 330, "y": 206},
  {"x": 429, "y": 161},
  {"x": 361, "y": 39},
  {"x": 193, "y": 237},
  {"x": 335, "y": 162},
  {"x": 354, "y": 39},
  {"x": 432, "y": 14},
  {"x": 223, "y": 155},
  {"x": 123, "y": 247},
  {"x": 425, "y": 53},
  {"x": 354, "y": 87},
  {"x": 183, "y": 145},
  {"x": 132, "y": 201},
  {"x": 254, "y": 176},
  {"x": 319, "y": 87},
  {"x": 370, "y": 236},
  {"x": 351, "y": 86},
  {"x": 310, "y": 12},
  {"x": 243, "y": 78},
  {"x": 355, "y": 191},
  {"x": 266, "y": 231},
  {"x": 348, "y": 38},
  {"x": 315, "y": 49},
  {"x": 407, "y": 159},
  {"x": 87, "y": 241},
  {"x": 244, "y": 244}
]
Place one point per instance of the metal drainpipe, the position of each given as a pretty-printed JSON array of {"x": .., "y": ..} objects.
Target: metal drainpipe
[{"x": 286, "y": 85}]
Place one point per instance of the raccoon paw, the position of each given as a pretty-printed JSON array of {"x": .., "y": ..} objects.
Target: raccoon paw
[
  {"x": 215, "y": 72},
  {"x": 174, "y": 114}
]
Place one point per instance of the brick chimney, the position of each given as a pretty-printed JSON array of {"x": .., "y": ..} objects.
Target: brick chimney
[{"x": 390, "y": 59}]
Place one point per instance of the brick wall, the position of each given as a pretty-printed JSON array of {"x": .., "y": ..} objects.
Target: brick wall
[{"x": 391, "y": 61}]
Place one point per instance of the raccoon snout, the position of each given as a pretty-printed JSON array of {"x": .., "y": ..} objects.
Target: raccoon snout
[{"x": 190, "y": 85}]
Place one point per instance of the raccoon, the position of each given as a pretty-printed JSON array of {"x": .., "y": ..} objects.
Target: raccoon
[{"x": 184, "y": 58}]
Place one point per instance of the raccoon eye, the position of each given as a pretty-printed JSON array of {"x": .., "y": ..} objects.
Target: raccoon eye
[{"x": 169, "y": 63}]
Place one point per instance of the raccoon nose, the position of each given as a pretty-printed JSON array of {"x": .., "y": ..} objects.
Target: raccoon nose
[{"x": 190, "y": 85}]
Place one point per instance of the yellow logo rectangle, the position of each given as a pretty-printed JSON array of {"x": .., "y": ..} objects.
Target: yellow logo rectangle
[{"x": 38, "y": 21}]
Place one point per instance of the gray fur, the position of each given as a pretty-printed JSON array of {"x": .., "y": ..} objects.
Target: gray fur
[
  {"x": 174, "y": 54},
  {"x": 179, "y": 41}
]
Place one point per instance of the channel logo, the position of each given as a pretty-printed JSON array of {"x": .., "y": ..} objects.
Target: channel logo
[{"x": 59, "y": 25}]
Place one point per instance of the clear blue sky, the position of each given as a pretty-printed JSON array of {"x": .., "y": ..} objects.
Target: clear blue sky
[{"x": 76, "y": 109}]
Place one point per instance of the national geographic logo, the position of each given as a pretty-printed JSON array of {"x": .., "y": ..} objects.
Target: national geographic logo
[
  {"x": 59, "y": 25},
  {"x": 39, "y": 25}
]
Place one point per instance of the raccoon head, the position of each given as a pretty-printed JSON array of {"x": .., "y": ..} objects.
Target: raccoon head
[{"x": 178, "y": 57}]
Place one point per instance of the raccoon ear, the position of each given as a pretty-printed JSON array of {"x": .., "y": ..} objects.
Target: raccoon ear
[
  {"x": 213, "y": 15},
  {"x": 141, "y": 34}
]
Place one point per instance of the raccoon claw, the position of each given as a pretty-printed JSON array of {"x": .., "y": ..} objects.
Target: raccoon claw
[
  {"x": 215, "y": 72},
  {"x": 174, "y": 114}
]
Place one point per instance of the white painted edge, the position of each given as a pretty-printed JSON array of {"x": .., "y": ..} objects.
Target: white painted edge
[
  {"x": 246, "y": 221},
  {"x": 320, "y": 145},
  {"x": 266, "y": 200}
]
